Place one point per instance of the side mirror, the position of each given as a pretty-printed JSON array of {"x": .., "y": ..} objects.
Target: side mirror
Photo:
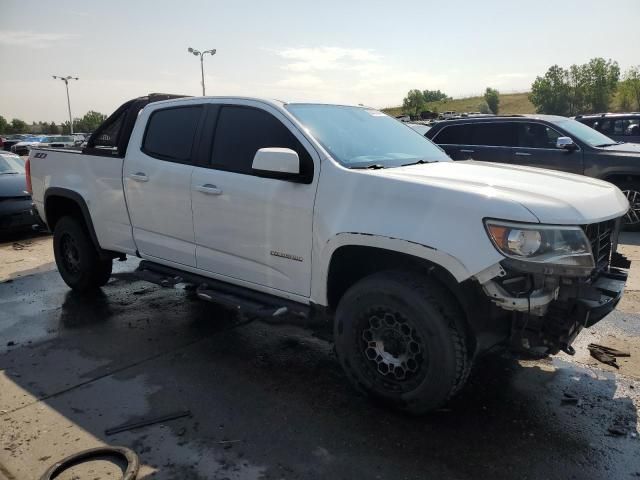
[
  {"x": 277, "y": 160},
  {"x": 565, "y": 143}
]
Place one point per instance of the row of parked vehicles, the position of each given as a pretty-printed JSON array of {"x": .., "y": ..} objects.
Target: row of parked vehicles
[
  {"x": 341, "y": 217},
  {"x": 21, "y": 144}
]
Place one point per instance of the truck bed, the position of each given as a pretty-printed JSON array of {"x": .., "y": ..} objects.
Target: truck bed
[{"x": 96, "y": 179}]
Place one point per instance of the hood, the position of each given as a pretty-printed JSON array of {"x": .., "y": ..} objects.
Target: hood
[
  {"x": 13, "y": 185},
  {"x": 633, "y": 148},
  {"x": 551, "y": 196}
]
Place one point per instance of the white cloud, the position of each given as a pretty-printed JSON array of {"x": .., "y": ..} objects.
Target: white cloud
[
  {"x": 325, "y": 58},
  {"x": 349, "y": 75},
  {"x": 16, "y": 38},
  {"x": 300, "y": 81}
]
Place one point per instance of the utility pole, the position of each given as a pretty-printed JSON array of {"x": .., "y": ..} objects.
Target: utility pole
[
  {"x": 200, "y": 54},
  {"x": 66, "y": 84}
]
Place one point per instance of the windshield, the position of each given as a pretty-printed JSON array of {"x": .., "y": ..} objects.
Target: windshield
[
  {"x": 359, "y": 137},
  {"x": 10, "y": 164},
  {"x": 584, "y": 133}
]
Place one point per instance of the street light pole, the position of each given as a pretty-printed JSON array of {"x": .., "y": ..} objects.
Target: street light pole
[
  {"x": 66, "y": 84},
  {"x": 200, "y": 54}
]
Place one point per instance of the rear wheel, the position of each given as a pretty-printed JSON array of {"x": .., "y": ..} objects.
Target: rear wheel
[
  {"x": 399, "y": 337},
  {"x": 77, "y": 259},
  {"x": 632, "y": 218}
]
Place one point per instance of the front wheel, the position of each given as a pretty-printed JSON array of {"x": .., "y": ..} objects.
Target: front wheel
[
  {"x": 77, "y": 259},
  {"x": 399, "y": 337},
  {"x": 631, "y": 221}
]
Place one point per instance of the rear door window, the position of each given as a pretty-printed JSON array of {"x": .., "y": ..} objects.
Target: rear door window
[
  {"x": 171, "y": 132},
  {"x": 536, "y": 135},
  {"x": 242, "y": 131},
  {"x": 496, "y": 134},
  {"x": 453, "y": 135}
]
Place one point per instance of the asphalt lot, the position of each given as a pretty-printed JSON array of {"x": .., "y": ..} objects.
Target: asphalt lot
[{"x": 272, "y": 402}]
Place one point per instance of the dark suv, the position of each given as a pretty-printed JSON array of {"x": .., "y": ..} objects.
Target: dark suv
[
  {"x": 546, "y": 141},
  {"x": 624, "y": 127}
]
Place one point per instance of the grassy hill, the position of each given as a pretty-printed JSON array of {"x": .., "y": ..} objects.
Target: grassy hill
[{"x": 510, "y": 103}]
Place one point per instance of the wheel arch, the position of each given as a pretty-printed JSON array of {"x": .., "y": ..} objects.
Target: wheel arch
[
  {"x": 348, "y": 257},
  {"x": 59, "y": 202},
  {"x": 616, "y": 178}
]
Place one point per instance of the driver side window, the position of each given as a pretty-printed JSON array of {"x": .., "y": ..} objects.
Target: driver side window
[{"x": 537, "y": 135}]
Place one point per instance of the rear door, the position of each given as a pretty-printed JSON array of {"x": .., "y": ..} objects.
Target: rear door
[
  {"x": 491, "y": 141},
  {"x": 536, "y": 147},
  {"x": 454, "y": 139},
  {"x": 157, "y": 182},
  {"x": 248, "y": 227}
]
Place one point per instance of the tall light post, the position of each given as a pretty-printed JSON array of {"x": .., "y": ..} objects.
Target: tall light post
[
  {"x": 66, "y": 84},
  {"x": 200, "y": 54}
]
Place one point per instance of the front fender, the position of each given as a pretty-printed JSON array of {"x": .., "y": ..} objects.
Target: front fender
[{"x": 443, "y": 259}]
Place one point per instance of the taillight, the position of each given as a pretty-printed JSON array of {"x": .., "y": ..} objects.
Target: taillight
[{"x": 27, "y": 169}]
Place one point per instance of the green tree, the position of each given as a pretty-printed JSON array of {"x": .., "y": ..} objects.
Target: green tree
[
  {"x": 629, "y": 88},
  {"x": 413, "y": 103},
  {"x": 53, "y": 129},
  {"x": 89, "y": 122},
  {"x": 492, "y": 97},
  {"x": 4, "y": 125},
  {"x": 18, "y": 126},
  {"x": 434, "y": 95},
  {"x": 550, "y": 93},
  {"x": 602, "y": 82},
  {"x": 577, "y": 78},
  {"x": 483, "y": 107}
]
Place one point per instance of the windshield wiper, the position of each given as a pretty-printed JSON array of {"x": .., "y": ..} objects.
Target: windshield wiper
[
  {"x": 419, "y": 162},
  {"x": 373, "y": 166}
]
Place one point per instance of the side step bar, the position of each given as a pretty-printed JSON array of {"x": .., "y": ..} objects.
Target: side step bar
[{"x": 242, "y": 300}]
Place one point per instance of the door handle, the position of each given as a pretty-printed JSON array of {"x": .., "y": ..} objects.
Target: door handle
[
  {"x": 139, "y": 177},
  {"x": 464, "y": 150},
  {"x": 523, "y": 154},
  {"x": 209, "y": 189}
]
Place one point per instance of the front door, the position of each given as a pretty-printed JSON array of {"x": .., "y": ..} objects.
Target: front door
[
  {"x": 157, "y": 183},
  {"x": 536, "y": 147},
  {"x": 250, "y": 228}
]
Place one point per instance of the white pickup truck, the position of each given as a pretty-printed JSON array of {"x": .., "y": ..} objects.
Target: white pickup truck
[{"x": 343, "y": 215}]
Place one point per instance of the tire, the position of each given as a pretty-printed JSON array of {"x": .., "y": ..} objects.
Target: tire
[
  {"x": 400, "y": 338},
  {"x": 77, "y": 259},
  {"x": 631, "y": 221}
]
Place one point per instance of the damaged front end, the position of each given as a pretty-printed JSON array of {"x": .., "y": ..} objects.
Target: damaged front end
[{"x": 550, "y": 304}]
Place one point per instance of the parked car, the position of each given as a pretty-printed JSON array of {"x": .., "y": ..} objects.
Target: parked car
[
  {"x": 342, "y": 218},
  {"x": 546, "y": 141},
  {"x": 11, "y": 140},
  {"x": 53, "y": 141},
  {"x": 623, "y": 127},
  {"x": 447, "y": 115},
  {"x": 15, "y": 201}
]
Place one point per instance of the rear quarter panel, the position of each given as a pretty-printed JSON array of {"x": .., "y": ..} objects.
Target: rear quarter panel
[{"x": 98, "y": 180}]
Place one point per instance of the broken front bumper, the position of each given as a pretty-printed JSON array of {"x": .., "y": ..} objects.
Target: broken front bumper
[{"x": 550, "y": 315}]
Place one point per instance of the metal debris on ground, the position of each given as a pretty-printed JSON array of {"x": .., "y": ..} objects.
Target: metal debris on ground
[
  {"x": 145, "y": 423},
  {"x": 606, "y": 355},
  {"x": 570, "y": 399}
]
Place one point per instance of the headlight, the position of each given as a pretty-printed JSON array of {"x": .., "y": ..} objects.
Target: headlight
[{"x": 548, "y": 244}]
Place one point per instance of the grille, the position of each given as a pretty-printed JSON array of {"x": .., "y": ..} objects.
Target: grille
[{"x": 602, "y": 237}]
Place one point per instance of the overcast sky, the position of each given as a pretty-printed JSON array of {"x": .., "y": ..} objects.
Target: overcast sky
[{"x": 347, "y": 51}]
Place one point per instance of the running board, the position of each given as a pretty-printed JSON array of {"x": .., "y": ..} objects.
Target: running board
[{"x": 240, "y": 299}]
